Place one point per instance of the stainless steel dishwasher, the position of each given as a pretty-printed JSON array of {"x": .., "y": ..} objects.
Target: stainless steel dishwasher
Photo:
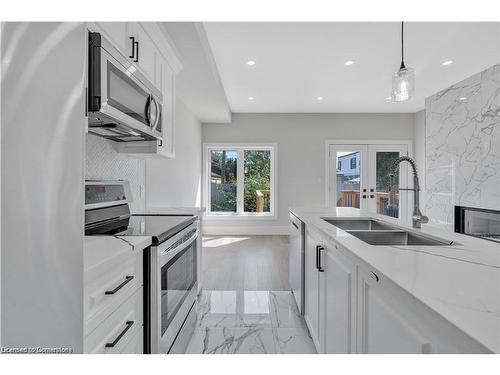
[{"x": 297, "y": 244}]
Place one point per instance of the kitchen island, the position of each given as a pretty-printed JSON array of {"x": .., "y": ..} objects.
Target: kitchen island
[{"x": 364, "y": 298}]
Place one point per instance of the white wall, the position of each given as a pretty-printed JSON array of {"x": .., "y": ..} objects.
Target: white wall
[
  {"x": 301, "y": 155},
  {"x": 176, "y": 182},
  {"x": 419, "y": 151}
]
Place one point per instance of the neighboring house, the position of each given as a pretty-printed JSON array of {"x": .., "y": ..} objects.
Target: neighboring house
[{"x": 348, "y": 165}]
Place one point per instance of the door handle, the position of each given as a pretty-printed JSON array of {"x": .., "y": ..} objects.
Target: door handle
[
  {"x": 133, "y": 47},
  {"x": 128, "y": 324}
]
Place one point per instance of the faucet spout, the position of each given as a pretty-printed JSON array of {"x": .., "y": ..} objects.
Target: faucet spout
[{"x": 417, "y": 218}]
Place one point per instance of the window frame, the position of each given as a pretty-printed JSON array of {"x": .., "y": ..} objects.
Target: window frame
[
  {"x": 351, "y": 161},
  {"x": 240, "y": 148}
]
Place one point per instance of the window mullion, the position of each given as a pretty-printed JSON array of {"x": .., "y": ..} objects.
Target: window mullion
[{"x": 240, "y": 181}]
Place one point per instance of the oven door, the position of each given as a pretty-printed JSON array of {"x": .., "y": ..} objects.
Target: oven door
[
  {"x": 177, "y": 285},
  {"x": 121, "y": 99}
]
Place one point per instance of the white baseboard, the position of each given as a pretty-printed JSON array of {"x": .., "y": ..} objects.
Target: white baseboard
[{"x": 223, "y": 230}]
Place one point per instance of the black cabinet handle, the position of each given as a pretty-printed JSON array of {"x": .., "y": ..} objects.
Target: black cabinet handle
[
  {"x": 128, "y": 324},
  {"x": 133, "y": 47},
  {"x": 127, "y": 280},
  {"x": 318, "y": 258},
  {"x": 295, "y": 225},
  {"x": 320, "y": 268},
  {"x": 375, "y": 276},
  {"x": 136, "y": 44}
]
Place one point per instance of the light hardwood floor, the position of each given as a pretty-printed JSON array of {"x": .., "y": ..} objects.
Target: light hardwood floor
[{"x": 245, "y": 263}]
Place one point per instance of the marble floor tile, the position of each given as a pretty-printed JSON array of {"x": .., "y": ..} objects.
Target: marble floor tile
[
  {"x": 252, "y": 340},
  {"x": 284, "y": 311},
  {"x": 293, "y": 341}
]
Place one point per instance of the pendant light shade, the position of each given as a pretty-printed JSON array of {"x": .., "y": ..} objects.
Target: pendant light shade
[
  {"x": 403, "y": 84},
  {"x": 403, "y": 81}
]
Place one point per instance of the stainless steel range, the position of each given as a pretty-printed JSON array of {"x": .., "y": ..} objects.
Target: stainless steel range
[
  {"x": 170, "y": 264},
  {"x": 478, "y": 222}
]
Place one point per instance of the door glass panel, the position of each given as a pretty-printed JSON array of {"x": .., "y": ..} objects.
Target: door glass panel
[
  {"x": 384, "y": 161},
  {"x": 348, "y": 178},
  {"x": 257, "y": 182},
  {"x": 223, "y": 180}
]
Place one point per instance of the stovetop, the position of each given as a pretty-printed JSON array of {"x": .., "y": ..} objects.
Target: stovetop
[{"x": 159, "y": 227}]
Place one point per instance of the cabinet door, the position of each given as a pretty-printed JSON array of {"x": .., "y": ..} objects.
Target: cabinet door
[
  {"x": 116, "y": 32},
  {"x": 312, "y": 288},
  {"x": 145, "y": 53},
  {"x": 383, "y": 326},
  {"x": 340, "y": 303}
]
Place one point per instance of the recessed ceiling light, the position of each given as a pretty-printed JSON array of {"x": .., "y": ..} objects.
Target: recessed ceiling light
[
  {"x": 251, "y": 98},
  {"x": 320, "y": 98},
  {"x": 447, "y": 62},
  {"x": 349, "y": 63},
  {"x": 462, "y": 99},
  {"x": 251, "y": 62},
  {"x": 388, "y": 98}
]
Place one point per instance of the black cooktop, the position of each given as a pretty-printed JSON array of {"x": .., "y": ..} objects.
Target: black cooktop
[{"x": 159, "y": 227}]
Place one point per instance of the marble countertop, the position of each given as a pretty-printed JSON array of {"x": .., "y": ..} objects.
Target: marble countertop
[
  {"x": 99, "y": 249},
  {"x": 170, "y": 211},
  {"x": 461, "y": 282}
]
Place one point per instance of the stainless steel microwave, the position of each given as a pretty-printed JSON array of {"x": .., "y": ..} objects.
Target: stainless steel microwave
[{"x": 123, "y": 105}]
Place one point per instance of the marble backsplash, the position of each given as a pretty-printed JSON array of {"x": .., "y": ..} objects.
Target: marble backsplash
[
  {"x": 102, "y": 162},
  {"x": 463, "y": 147}
]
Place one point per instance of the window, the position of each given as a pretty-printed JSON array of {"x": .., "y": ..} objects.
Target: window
[
  {"x": 240, "y": 179},
  {"x": 339, "y": 167},
  {"x": 353, "y": 163}
]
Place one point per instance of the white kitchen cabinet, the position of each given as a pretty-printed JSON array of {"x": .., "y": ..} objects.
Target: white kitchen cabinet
[
  {"x": 391, "y": 321},
  {"x": 312, "y": 280},
  {"x": 116, "y": 33},
  {"x": 383, "y": 326},
  {"x": 145, "y": 51},
  {"x": 339, "y": 301}
]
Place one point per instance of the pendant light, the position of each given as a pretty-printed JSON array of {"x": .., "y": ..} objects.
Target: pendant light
[{"x": 403, "y": 81}]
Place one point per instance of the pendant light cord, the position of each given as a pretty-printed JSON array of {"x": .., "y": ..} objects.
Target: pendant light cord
[{"x": 402, "y": 47}]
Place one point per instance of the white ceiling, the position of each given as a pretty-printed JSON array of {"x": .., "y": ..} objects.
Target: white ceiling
[{"x": 297, "y": 62}]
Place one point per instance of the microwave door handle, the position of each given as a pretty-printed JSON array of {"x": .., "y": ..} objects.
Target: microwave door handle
[
  {"x": 147, "y": 110},
  {"x": 157, "y": 106}
]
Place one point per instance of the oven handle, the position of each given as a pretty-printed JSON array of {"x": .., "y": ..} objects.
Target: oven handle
[{"x": 165, "y": 255}]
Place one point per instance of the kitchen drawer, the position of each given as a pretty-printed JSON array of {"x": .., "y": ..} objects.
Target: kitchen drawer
[
  {"x": 119, "y": 328},
  {"x": 109, "y": 288},
  {"x": 135, "y": 345}
]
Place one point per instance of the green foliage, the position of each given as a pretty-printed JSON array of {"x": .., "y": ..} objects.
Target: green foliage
[
  {"x": 257, "y": 177},
  {"x": 384, "y": 164},
  {"x": 257, "y": 166}
]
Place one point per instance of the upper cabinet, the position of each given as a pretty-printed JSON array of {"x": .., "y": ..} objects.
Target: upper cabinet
[{"x": 146, "y": 45}]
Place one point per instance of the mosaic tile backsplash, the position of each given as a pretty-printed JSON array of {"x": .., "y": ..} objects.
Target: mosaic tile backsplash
[{"x": 102, "y": 162}]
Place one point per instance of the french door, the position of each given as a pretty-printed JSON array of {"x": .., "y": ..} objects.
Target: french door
[{"x": 359, "y": 177}]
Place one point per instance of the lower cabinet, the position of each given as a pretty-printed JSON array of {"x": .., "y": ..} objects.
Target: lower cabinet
[
  {"x": 351, "y": 308},
  {"x": 339, "y": 306},
  {"x": 330, "y": 297},
  {"x": 312, "y": 279},
  {"x": 383, "y": 325}
]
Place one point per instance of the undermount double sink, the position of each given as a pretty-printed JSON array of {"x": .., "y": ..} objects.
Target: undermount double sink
[{"x": 375, "y": 232}]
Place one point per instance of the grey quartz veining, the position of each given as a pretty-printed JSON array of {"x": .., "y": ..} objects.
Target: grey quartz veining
[{"x": 463, "y": 147}]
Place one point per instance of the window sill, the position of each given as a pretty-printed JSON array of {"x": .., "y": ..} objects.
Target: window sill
[{"x": 235, "y": 216}]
